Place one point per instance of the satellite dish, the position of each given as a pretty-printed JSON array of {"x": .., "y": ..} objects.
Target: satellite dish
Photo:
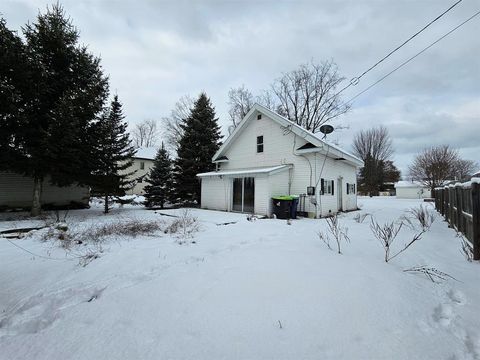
[{"x": 326, "y": 129}]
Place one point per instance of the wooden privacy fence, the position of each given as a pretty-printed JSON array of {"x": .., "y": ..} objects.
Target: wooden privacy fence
[{"x": 460, "y": 205}]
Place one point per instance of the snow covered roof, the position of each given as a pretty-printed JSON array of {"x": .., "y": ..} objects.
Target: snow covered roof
[
  {"x": 319, "y": 144},
  {"x": 147, "y": 153},
  {"x": 249, "y": 171},
  {"x": 408, "y": 184}
]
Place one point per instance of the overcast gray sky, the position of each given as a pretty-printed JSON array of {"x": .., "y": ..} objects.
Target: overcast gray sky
[{"x": 157, "y": 51}]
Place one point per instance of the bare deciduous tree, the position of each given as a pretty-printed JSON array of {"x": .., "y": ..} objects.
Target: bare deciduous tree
[
  {"x": 308, "y": 95},
  {"x": 267, "y": 99},
  {"x": 464, "y": 169},
  {"x": 146, "y": 133},
  {"x": 172, "y": 131},
  {"x": 433, "y": 166},
  {"x": 375, "y": 143},
  {"x": 374, "y": 147},
  {"x": 240, "y": 101}
]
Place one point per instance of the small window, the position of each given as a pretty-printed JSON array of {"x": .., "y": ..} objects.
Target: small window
[
  {"x": 259, "y": 116},
  {"x": 350, "y": 188},
  {"x": 142, "y": 165},
  {"x": 327, "y": 187},
  {"x": 259, "y": 144}
]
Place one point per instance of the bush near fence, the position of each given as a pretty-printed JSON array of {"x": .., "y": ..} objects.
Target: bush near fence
[{"x": 460, "y": 206}]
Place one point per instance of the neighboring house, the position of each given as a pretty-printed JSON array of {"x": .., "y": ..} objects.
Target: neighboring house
[
  {"x": 16, "y": 191},
  {"x": 476, "y": 174},
  {"x": 411, "y": 190},
  {"x": 142, "y": 163},
  {"x": 268, "y": 155}
]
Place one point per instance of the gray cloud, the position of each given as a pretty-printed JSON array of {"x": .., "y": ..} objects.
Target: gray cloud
[{"x": 156, "y": 51}]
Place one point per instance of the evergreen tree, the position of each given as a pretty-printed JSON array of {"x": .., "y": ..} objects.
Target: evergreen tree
[
  {"x": 375, "y": 174},
  {"x": 14, "y": 86},
  {"x": 113, "y": 153},
  {"x": 160, "y": 179},
  {"x": 66, "y": 91},
  {"x": 390, "y": 175},
  {"x": 200, "y": 141}
]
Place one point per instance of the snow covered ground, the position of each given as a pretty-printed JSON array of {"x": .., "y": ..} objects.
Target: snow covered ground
[{"x": 248, "y": 290}]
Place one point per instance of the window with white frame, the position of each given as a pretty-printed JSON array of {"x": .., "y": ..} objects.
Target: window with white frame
[
  {"x": 142, "y": 165},
  {"x": 327, "y": 187},
  {"x": 350, "y": 188},
  {"x": 260, "y": 144}
]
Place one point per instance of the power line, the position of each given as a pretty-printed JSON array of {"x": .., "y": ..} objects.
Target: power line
[
  {"x": 355, "y": 80},
  {"x": 414, "y": 56}
]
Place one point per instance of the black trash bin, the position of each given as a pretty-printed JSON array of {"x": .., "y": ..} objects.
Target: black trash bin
[
  {"x": 293, "y": 207},
  {"x": 282, "y": 206}
]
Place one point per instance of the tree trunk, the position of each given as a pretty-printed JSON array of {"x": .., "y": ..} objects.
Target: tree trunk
[
  {"x": 106, "y": 204},
  {"x": 37, "y": 189}
]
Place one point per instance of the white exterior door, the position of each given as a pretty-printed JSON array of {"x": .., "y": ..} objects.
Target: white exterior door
[{"x": 340, "y": 194}]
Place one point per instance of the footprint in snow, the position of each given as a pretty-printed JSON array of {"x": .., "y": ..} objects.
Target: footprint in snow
[
  {"x": 457, "y": 297},
  {"x": 41, "y": 310},
  {"x": 443, "y": 314}
]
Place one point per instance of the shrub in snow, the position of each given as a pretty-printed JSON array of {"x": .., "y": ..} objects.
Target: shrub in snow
[
  {"x": 335, "y": 230},
  {"x": 89, "y": 254},
  {"x": 184, "y": 227},
  {"x": 466, "y": 248},
  {"x": 92, "y": 237},
  {"x": 387, "y": 234},
  {"x": 422, "y": 215},
  {"x": 360, "y": 218},
  {"x": 430, "y": 272},
  {"x": 129, "y": 228}
]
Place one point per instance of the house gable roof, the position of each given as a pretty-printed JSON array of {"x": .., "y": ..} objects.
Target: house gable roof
[
  {"x": 145, "y": 153},
  {"x": 318, "y": 144}
]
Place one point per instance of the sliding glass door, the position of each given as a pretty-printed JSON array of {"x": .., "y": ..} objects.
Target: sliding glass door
[
  {"x": 244, "y": 195},
  {"x": 237, "y": 194},
  {"x": 248, "y": 194}
]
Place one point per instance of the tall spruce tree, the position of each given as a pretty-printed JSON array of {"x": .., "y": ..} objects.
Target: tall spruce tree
[
  {"x": 14, "y": 87},
  {"x": 113, "y": 153},
  {"x": 66, "y": 91},
  {"x": 200, "y": 141},
  {"x": 160, "y": 188}
]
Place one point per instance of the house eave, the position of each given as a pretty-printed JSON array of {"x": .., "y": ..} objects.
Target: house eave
[
  {"x": 248, "y": 171},
  {"x": 335, "y": 154}
]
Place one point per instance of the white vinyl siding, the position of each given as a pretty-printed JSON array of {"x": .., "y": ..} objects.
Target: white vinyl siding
[
  {"x": 17, "y": 191},
  {"x": 279, "y": 145},
  {"x": 216, "y": 193},
  {"x": 140, "y": 168},
  {"x": 414, "y": 192}
]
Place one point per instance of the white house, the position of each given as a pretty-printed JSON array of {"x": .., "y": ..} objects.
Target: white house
[
  {"x": 268, "y": 155},
  {"x": 142, "y": 163},
  {"x": 411, "y": 190},
  {"x": 16, "y": 191}
]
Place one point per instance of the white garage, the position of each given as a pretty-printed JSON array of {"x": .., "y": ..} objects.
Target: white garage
[{"x": 411, "y": 190}]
